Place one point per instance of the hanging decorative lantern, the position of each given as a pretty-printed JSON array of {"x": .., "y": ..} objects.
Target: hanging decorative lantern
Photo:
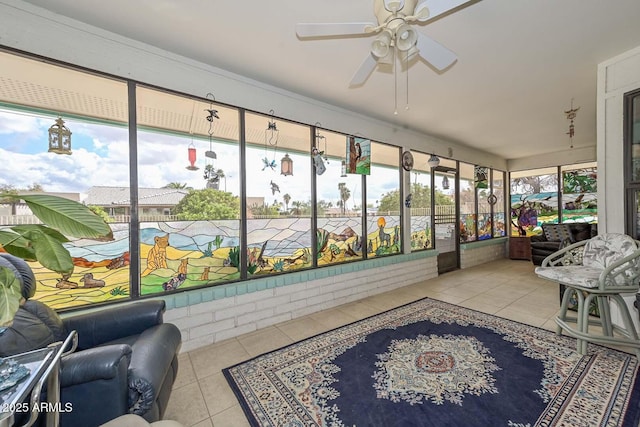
[
  {"x": 59, "y": 138},
  {"x": 433, "y": 161},
  {"x": 192, "y": 158},
  {"x": 286, "y": 166},
  {"x": 343, "y": 169},
  {"x": 445, "y": 182}
]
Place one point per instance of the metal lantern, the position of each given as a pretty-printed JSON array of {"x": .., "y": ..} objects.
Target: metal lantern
[
  {"x": 445, "y": 182},
  {"x": 286, "y": 166},
  {"x": 59, "y": 138}
]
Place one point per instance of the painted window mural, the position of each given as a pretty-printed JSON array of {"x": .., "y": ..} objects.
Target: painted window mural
[
  {"x": 579, "y": 193},
  {"x": 496, "y": 199},
  {"x": 338, "y": 202},
  {"x": 201, "y": 193},
  {"x": 468, "y": 231},
  {"x": 188, "y": 203},
  {"x": 383, "y": 189},
  {"x": 278, "y": 169},
  {"x": 534, "y": 200},
  {"x": 421, "y": 217},
  {"x": 95, "y": 153}
]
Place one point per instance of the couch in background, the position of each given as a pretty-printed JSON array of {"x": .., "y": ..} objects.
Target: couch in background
[
  {"x": 126, "y": 360},
  {"x": 557, "y": 236}
]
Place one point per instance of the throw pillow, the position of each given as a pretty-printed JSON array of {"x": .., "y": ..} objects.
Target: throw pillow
[{"x": 556, "y": 232}]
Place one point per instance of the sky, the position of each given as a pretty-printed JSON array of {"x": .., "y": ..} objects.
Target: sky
[{"x": 100, "y": 155}]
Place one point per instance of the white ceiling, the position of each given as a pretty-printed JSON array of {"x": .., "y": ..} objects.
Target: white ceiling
[{"x": 520, "y": 63}]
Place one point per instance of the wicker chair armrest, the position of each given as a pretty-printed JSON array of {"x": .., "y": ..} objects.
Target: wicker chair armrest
[{"x": 628, "y": 269}]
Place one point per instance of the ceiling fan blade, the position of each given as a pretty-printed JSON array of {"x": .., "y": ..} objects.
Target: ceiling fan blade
[
  {"x": 436, "y": 8},
  {"x": 365, "y": 70},
  {"x": 333, "y": 29},
  {"x": 434, "y": 53}
]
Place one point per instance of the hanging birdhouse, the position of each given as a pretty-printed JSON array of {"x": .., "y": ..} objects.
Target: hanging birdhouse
[
  {"x": 192, "y": 158},
  {"x": 59, "y": 138},
  {"x": 286, "y": 165}
]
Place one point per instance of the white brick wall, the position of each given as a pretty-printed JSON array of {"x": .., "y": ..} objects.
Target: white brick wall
[
  {"x": 471, "y": 256},
  {"x": 213, "y": 321}
]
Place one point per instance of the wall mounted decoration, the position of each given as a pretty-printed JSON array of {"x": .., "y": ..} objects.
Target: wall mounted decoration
[
  {"x": 271, "y": 135},
  {"x": 407, "y": 161},
  {"x": 210, "y": 175},
  {"x": 358, "y": 157}
]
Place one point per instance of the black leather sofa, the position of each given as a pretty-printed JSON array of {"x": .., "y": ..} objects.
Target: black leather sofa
[
  {"x": 556, "y": 236},
  {"x": 126, "y": 360}
]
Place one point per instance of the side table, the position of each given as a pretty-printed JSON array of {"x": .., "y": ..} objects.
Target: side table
[{"x": 519, "y": 248}]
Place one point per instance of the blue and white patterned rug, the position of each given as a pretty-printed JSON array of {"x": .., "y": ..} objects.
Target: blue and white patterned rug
[{"x": 430, "y": 363}]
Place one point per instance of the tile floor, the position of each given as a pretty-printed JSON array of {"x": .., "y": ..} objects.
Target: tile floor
[{"x": 201, "y": 396}]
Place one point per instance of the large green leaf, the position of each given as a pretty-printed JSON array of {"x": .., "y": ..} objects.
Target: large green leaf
[
  {"x": 50, "y": 252},
  {"x": 17, "y": 245},
  {"x": 9, "y": 296},
  {"x": 67, "y": 216}
]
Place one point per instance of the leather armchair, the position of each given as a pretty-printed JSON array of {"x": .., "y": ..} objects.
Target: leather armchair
[
  {"x": 557, "y": 236},
  {"x": 126, "y": 360}
]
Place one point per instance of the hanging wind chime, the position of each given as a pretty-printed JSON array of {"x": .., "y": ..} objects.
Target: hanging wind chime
[
  {"x": 210, "y": 174},
  {"x": 271, "y": 135},
  {"x": 571, "y": 115}
]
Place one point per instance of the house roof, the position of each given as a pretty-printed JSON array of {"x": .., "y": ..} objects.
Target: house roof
[{"x": 120, "y": 196}]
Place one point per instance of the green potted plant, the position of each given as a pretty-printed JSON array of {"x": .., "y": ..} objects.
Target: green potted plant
[{"x": 60, "y": 218}]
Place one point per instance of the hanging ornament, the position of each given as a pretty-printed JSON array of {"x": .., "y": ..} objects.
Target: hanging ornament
[
  {"x": 192, "y": 158},
  {"x": 317, "y": 161},
  {"x": 210, "y": 175},
  {"x": 318, "y": 142},
  {"x": 571, "y": 115},
  {"x": 271, "y": 135},
  {"x": 286, "y": 166}
]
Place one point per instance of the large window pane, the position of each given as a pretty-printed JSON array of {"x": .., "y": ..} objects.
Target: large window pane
[
  {"x": 188, "y": 193},
  {"x": 421, "y": 233},
  {"x": 499, "y": 218},
  {"x": 94, "y": 109},
  {"x": 383, "y": 190},
  {"x": 339, "y": 203},
  {"x": 468, "y": 231},
  {"x": 279, "y": 206},
  {"x": 534, "y": 200},
  {"x": 579, "y": 193}
]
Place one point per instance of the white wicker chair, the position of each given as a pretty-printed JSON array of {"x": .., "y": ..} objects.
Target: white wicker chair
[{"x": 601, "y": 269}]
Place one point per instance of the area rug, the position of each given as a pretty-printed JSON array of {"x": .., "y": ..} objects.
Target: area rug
[{"x": 430, "y": 363}]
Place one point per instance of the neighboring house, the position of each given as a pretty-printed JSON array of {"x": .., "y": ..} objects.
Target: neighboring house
[{"x": 152, "y": 202}]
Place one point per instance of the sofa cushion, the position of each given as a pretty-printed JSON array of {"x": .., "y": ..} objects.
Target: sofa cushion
[
  {"x": 35, "y": 325},
  {"x": 581, "y": 231},
  {"x": 557, "y": 232},
  {"x": 575, "y": 275}
]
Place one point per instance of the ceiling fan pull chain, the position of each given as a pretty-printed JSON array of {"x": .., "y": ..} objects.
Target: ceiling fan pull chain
[
  {"x": 395, "y": 79},
  {"x": 406, "y": 64}
]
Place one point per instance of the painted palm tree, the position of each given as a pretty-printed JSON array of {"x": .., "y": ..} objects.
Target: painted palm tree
[
  {"x": 287, "y": 199},
  {"x": 345, "y": 193}
]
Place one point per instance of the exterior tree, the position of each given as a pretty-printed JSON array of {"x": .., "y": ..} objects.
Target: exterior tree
[
  {"x": 345, "y": 193},
  {"x": 207, "y": 204},
  {"x": 390, "y": 202},
  {"x": 177, "y": 185},
  {"x": 287, "y": 198}
]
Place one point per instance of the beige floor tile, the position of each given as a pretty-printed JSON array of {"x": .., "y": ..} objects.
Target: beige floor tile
[
  {"x": 217, "y": 394},
  {"x": 333, "y": 318},
  {"x": 213, "y": 358},
  {"x": 264, "y": 340},
  {"x": 301, "y": 328},
  {"x": 187, "y": 405},
  {"x": 232, "y": 417},
  {"x": 186, "y": 374},
  {"x": 205, "y": 423},
  {"x": 358, "y": 310}
]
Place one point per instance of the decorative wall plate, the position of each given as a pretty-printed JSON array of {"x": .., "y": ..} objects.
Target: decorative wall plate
[{"x": 407, "y": 160}]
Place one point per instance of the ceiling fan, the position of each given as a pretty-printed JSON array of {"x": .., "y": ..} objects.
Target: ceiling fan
[{"x": 396, "y": 37}]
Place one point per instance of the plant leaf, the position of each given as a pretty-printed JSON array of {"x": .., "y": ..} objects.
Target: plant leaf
[
  {"x": 67, "y": 216},
  {"x": 9, "y": 296},
  {"x": 50, "y": 252}
]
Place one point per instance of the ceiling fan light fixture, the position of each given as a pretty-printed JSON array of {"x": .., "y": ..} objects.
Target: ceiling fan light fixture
[
  {"x": 406, "y": 37},
  {"x": 382, "y": 44},
  {"x": 422, "y": 12},
  {"x": 393, "y": 6}
]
